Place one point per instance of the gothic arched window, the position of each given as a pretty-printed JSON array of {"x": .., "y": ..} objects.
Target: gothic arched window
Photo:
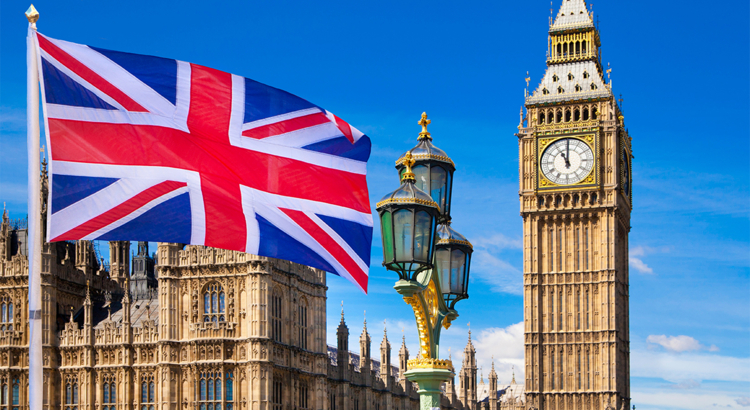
[
  {"x": 587, "y": 310},
  {"x": 6, "y": 313},
  {"x": 210, "y": 390},
  {"x": 277, "y": 394},
  {"x": 213, "y": 303},
  {"x": 148, "y": 392},
  {"x": 303, "y": 393},
  {"x": 109, "y": 393},
  {"x": 229, "y": 391},
  {"x": 4, "y": 394},
  {"x": 276, "y": 315},
  {"x": 16, "y": 393},
  {"x": 302, "y": 323},
  {"x": 552, "y": 369}
]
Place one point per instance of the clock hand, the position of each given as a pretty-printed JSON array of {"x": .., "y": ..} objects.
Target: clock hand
[
  {"x": 567, "y": 153},
  {"x": 567, "y": 163}
]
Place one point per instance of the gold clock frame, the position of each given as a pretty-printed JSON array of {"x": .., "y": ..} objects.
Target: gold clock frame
[{"x": 590, "y": 181}]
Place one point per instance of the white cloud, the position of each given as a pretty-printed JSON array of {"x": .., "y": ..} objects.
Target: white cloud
[
  {"x": 679, "y": 344},
  {"x": 636, "y": 254},
  {"x": 639, "y": 265},
  {"x": 506, "y": 346},
  {"x": 743, "y": 401},
  {"x": 687, "y": 385},
  {"x": 684, "y": 366},
  {"x": 681, "y": 400}
]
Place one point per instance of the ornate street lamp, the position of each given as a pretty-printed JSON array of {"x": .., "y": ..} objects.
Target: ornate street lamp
[
  {"x": 452, "y": 260},
  {"x": 432, "y": 261},
  {"x": 408, "y": 219},
  {"x": 433, "y": 170}
]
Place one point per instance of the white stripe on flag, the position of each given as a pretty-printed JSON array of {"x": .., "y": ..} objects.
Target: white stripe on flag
[
  {"x": 141, "y": 93},
  {"x": 147, "y": 173},
  {"x": 85, "y": 84},
  {"x": 276, "y": 118},
  {"x": 306, "y": 136},
  {"x": 136, "y": 213},
  {"x": 94, "y": 205}
]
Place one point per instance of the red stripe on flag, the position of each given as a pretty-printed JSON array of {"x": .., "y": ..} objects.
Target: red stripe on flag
[
  {"x": 345, "y": 128},
  {"x": 285, "y": 126},
  {"x": 208, "y": 119},
  {"x": 325, "y": 240},
  {"x": 89, "y": 75},
  {"x": 120, "y": 211},
  {"x": 210, "y": 103},
  {"x": 226, "y": 227},
  {"x": 145, "y": 145}
]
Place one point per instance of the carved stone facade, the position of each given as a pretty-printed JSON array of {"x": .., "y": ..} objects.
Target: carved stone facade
[
  {"x": 575, "y": 197},
  {"x": 222, "y": 330}
]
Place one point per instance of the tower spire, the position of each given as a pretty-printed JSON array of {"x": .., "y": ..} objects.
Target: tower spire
[{"x": 342, "y": 312}]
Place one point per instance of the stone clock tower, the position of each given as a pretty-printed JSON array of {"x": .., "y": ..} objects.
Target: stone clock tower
[{"x": 575, "y": 194}]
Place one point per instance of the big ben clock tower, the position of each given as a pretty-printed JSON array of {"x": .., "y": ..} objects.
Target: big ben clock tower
[{"x": 575, "y": 194}]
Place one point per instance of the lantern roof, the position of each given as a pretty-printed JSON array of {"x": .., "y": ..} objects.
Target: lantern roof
[
  {"x": 448, "y": 236},
  {"x": 408, "y": 192},
  {"x": 425, "y": 149}
]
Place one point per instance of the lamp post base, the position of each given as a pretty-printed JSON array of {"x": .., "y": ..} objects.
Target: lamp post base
[{"x": 429, "y": 380}]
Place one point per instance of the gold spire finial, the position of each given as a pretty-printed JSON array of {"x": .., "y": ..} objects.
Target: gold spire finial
[
  {"x": 424, "y": 122},
  {"x": 528, "y": 79},
  {"x": 32, "y": 15},
  {"x": 408, "y": 162}
]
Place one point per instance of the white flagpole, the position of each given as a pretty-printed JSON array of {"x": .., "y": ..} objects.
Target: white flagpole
[{"x": 36, "y": 389}]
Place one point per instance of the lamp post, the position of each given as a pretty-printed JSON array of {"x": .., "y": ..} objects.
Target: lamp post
[{"x": 431, "y": 259}]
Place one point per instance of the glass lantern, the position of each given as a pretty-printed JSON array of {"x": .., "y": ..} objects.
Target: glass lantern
[
  {"x": 433, "y": 170},
  {"x": 452, "y": 260},
  {"x": 408, "y": 220}
]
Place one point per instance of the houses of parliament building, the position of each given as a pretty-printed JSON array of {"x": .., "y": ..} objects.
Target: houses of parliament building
[
  {"x": 194, "y": 328},
  {"x": 197, "y": 328}
]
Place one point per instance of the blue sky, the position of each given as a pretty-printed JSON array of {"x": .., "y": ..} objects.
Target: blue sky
[{"x": 682, "y": 69}]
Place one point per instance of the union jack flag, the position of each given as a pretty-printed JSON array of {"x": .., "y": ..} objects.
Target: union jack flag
[{"x": 153, "y": 149}]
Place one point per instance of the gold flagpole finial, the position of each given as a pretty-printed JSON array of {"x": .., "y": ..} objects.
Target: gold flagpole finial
[
  {"x": 32, "y": 15},
  {"x": 424, "y": 122},
  {"x": 408, "y": 162}
]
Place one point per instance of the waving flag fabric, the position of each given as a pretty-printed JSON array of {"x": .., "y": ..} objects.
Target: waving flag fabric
[{"x": 153, "y": 149}]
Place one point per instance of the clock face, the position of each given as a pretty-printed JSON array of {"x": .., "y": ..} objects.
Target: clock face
[{"x": 567, "y": 161}]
